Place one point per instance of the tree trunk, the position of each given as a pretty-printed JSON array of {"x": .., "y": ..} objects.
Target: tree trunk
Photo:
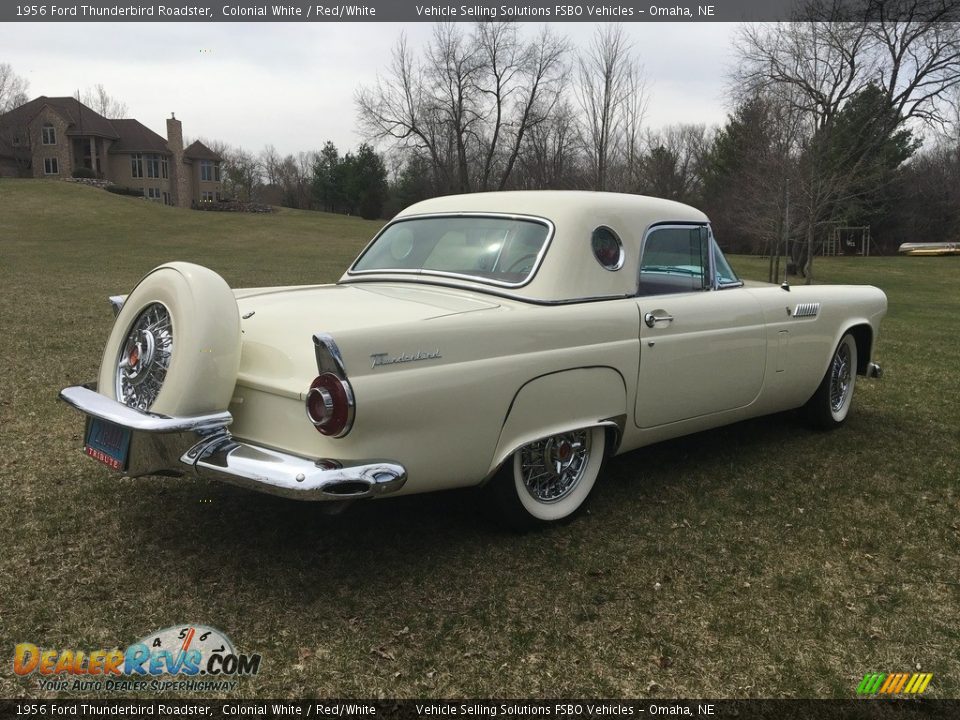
[{"x": 808, "y": 263}]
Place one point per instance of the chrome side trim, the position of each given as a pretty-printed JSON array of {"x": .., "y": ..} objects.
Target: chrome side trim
[
  {"x": 616, "y": 423},
  {"x": 329, "y": 357},
  {"x": 423, "y": 280},
  {"x": 806, "y": 310}
]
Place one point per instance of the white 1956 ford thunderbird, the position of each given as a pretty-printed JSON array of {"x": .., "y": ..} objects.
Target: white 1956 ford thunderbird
[{"x": 509, "y": 338}]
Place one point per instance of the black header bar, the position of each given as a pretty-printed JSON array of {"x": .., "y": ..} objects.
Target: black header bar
[
  {"x": 469, "y": 11},
  {"x": 862, "y": 709}
]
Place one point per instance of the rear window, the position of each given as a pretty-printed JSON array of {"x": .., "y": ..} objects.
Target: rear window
[{"x": 500, "y": 250}]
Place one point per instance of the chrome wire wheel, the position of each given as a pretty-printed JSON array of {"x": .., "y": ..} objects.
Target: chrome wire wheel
[
  {"x": 551, "y": 468},
  {"x": 549, "y": 480},
  {"x": 829, "y": 406},
  {"x": 840, "y": 374},
  {"x": 145, "y": 357}
]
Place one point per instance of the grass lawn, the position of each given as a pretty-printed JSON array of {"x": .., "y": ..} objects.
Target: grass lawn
[{"x": 758, "y": 560}]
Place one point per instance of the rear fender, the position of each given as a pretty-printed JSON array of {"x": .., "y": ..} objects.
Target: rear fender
[{"x": 560, "y": 402}]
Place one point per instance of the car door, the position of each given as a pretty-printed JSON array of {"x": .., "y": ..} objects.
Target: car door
[{"x": 702, "y": 342}]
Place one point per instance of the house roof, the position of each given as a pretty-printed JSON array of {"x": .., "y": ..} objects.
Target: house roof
[
  {"x": 129, "y": 135},
  {"x": 198, "y": 151},
  {"x": 81, "y": 120},
  {"x": 134, "y": 136}
]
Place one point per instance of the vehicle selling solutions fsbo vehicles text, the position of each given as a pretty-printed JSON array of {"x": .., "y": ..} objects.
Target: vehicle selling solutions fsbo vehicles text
[{"x": 613, "y": 12}]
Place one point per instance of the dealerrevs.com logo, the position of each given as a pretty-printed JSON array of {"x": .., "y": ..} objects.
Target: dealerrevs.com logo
[{"x": 182, "y": 657}]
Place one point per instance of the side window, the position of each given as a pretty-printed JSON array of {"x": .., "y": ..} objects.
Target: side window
[
  {"x": 675, "y": 259},
  {"x": 725, "y": 274},
  {"x": 607, "y": 248}
]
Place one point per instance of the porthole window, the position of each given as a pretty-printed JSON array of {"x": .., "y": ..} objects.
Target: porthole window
[{"x": 607, "y": 248}]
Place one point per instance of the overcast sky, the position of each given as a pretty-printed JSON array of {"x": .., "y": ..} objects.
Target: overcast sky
[{"x": 292, "y": 85}]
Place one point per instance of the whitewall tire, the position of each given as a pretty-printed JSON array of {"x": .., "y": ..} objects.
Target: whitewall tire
[
  {"x": 549, "y": 480},
  {"x": 830, "y": 404}
]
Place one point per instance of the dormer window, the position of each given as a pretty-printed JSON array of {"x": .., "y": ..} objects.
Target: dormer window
[{"x": 48, "y": 134}]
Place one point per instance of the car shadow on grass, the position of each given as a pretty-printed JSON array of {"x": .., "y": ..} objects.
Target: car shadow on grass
[{"x": 246, "y": 533}]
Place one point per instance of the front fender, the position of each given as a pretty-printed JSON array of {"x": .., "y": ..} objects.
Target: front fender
[{"x": 560, "y": 402}]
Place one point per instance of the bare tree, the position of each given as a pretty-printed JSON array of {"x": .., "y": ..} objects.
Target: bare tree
[
  {"x": 399, "y": 108},
  {"x": 635, "y": 111},
  {"x": 294, "y": 175},
  {"x": 549, "y": 158},
  {"x": 270, "y": 162},
  {"x": 13, "y": 88},
  {"x": 905, "y": 48},
  {"x": 241, "y": 171},
  {"x": 100, "y": 100},
  {"x": 672, "y": 165},
  {"x": 500, "y": 56},
  {"x": 453, "y": 66},
  {"x": 469, "y": 103},
  {"x": 607, "y": 83},
  {"x": 521, "y": 82}
]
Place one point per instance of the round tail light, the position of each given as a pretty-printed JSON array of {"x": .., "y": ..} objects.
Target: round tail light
[{"x": 330, "y": 405}]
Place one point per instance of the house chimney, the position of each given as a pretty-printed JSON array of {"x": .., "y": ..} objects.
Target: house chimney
[{"x": 179, "y": 188}]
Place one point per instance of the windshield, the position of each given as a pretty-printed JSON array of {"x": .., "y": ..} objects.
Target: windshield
[{"x": 501, "y": 250}]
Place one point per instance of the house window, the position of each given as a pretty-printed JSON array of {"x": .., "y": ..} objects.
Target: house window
[
  {"x": 51, "y": 166},
  {"x": 166, "y": 199},
  {"x": 136, "y": 165},
  {"x": 16, "y": 141},
  {"x": 206, "y": 196},
  {"x": 164, "y": 168},
  {"x": 48, "y": 134},
  {"x": 153, "y": 193},
  {"x": 153, "y": 166},
  {"x": 209, "y": 171}
]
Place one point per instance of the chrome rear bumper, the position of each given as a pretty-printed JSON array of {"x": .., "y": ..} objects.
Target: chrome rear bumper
[{"x": 162, "y": 445}]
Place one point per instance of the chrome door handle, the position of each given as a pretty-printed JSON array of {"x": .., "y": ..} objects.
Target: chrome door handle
[{"x": 650, "y": 319}]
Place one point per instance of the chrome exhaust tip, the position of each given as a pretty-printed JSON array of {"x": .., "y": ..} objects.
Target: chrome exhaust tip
[{"x": 874, "y": 371}]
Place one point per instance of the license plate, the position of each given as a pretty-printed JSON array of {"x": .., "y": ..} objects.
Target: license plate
[{"x": 108, "y": 443}]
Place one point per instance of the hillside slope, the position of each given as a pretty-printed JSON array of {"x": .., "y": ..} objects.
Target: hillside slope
[{"x": 65, "y": 225}]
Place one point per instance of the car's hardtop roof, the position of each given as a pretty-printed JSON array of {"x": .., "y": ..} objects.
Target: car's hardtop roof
[
  {"x": 569, "y": 271},
  {"x": 557, "y": 205}
]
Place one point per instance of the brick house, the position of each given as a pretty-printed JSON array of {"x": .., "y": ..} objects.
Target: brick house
[{"x": 50, "y": 137}]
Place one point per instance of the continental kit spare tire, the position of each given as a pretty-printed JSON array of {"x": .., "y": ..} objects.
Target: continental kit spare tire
[{"x": 175, "y": 346}]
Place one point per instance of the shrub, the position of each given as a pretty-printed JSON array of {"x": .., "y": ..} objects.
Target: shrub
[
  {"x": 233, "y": 206},
  {"x": 135, "y": 192},
  {"x": 84, "y": 172}
]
